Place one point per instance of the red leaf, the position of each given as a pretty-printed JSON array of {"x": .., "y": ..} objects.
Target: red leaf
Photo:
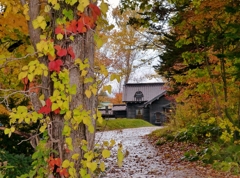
[
  {"x": 67, "y": 150},
  {"x": 60, "y": 51},
  {"x": 96, "y": 12},
  {"x": 63, "y": 172},
  {"x": 51, "y": 58},
  {"x": 48, "y": 102},
  {"x": 70, "y": 52},
  {"x": 59, "y": 29},
  {"x": 88, "y": 21},
  {"x": 47, "y": 108},
  {"x": 57, "y": 162},
  {"x": 55, "y": 65},
  {"x": 81, "y": 27},
  {"x": 57, "y": 47},
  {"x": 72, "y": 27},
  {"x": 57, "y": 111}
]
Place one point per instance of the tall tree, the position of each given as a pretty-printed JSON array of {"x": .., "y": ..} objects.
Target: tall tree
[{"x": 62, "y": 37}]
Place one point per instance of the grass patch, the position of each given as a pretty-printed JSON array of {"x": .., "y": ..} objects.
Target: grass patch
[{"x": 122, "y": 124}]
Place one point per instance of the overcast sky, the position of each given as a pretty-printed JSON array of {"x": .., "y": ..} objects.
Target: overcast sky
[{"x": 140, "y": 75}]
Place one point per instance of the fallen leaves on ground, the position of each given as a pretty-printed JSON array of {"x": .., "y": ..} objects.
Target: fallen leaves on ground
[{"x": 172, "y": 152}]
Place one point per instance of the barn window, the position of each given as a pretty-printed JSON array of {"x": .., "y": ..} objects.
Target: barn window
[{"x": 138, "y": 96}]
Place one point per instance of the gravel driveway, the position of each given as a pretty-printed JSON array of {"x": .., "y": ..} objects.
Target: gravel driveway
[{"x": 143, "y": 160}]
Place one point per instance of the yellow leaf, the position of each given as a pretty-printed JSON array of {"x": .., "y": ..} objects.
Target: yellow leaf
[
  {"x": 25, "y": 11},
  {"x": 112, "y": 142},
  {"x": 65, "y": 164},
  {"x": 47, "y": 8},
  {"x": 7, "y": 131},
  {"x": 22, "y": 75},
  {"x": 71, "y": 38},
  {"x": 69, "y": 143},
  {"x": 75, "y": 156},
  {"x": 104, "y": 7},
  {"x": 107, "y": 88},
  {"x": 106, "y": 153},
  {"x": 53, "y": 2},
  {"x": 54, "y": 106},
  {"x": 82, "y": 4},
  {"x": 12, "y": 129},
  {"x": 31, "y": 69},
  {"x": 25, "y": 68},
  {"x": 100, "y": 120},
  {"x": 88, "y": 93},
  {"x": 120, "y": 157},
  {"x": 72, "y": 172},
  {"x": 91, "y": 129},
  {"x": 68, "y": 115},
  {"x": 59, "y": 36},
  {"x": 84, "y": 73},
  {"x": 102, "y": 166},
  {"x": 30, "y": 77},
  {"x": 92, "y": 166},
  {"x": 57, "y": 6},
  {"x": 94, "y": 90},
  {"x": 45, "y": 73},
  {"x": 43, "y": 128}
]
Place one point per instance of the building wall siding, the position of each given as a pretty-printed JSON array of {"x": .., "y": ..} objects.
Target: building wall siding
[
  {"x": 147, "y": 112},
  {"x": 157, "y": 106},
  {"x": 131, "y": 109}
]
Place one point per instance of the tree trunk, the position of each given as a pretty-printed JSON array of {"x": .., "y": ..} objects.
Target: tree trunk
[{"x": 83, "y": 47}]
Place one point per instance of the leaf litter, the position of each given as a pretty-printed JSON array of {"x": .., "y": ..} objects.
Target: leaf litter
[{"x": 144, "y": 159}]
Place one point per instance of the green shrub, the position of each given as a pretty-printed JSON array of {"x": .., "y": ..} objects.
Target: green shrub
[
  {"x": 13, "y": 165},
  {"x": 198, "y": 133}
]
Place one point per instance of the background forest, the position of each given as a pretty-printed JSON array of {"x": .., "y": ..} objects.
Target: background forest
[{"x": 200, "y": 59}]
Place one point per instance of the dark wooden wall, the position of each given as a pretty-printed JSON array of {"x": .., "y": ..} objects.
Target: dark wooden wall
[
  {"x": 148, "y": 112},
  {"x": 157, "y": 106}
]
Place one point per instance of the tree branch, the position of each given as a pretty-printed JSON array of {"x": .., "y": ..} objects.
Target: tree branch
[
  {"x": 23, "y": 2},
  {"x": 23, "y": 134}
]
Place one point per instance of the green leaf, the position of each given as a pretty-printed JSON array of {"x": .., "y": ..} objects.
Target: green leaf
[{"x": 68, "y": 13}]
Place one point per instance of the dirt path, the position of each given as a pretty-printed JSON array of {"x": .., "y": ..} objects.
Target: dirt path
[{"x": 143, "y": 161}]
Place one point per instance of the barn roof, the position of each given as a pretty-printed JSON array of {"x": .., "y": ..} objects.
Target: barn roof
[{"x": 149, "y": 91}]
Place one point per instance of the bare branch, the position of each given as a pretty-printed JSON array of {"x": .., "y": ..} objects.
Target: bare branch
[
  {"x": 23, "y": 134},
  {"x": 14, "y": 59}
]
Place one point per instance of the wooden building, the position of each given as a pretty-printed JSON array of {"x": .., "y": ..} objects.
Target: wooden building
[{"x": 146, "y": 101}]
